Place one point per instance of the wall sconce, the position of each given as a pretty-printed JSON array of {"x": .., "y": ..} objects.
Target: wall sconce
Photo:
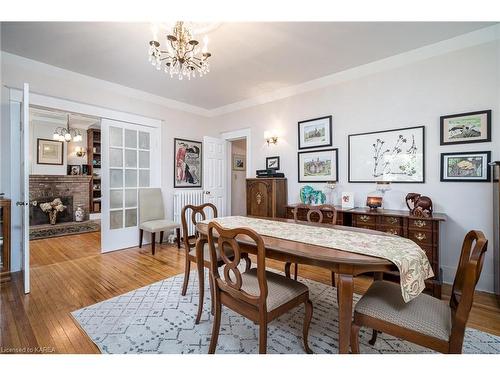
[
  {"x": 80, "y": 151},
  {"x": 271, "y": 137}
]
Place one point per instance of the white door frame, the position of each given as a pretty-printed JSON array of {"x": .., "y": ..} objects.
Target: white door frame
[
  {"x": 235, "y": 135},
  {"x": 16, "y": 95}
]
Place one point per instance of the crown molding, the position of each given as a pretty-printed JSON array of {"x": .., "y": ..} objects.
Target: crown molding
[
  {"x": 37, "y": 66},
  {"x": 473, "y": 38}
]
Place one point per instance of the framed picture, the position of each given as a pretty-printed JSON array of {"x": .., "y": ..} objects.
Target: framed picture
[
  {"x": 187, "y": 164},
  {"x": 471, "y": 127},
  {"x": 74, "y": 170},
  {"x": 273, "y": 162},
  {"x": 315, "y": 133},
  {"x": 49, "y": 152},
  {"x": 239, "y": 162},
  {"x": 466, "y": 166},
  {"x": 318, "y": 165},
  {"x": 391, "y": 155}
]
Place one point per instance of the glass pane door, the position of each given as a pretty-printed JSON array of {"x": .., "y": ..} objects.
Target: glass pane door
[{"x": 126, "y": 169}]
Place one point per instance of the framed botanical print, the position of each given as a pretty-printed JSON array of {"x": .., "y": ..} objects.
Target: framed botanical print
[
  {"x": 318, "y": 165},
  {"x": 273, "y": 162},
  {"x": 49, "y": 152},
  {"x": 466, "y": 166},
  {"x": 239, "y": 162},
  {"x": 396, "y": 155},
  {"x": 470, "y": 127},
  {"x": 187, "y": 163},
  {"x": 315, "y": 133}
]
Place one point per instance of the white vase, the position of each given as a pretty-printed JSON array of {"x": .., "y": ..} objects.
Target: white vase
[{"x": 79, "y": 213}]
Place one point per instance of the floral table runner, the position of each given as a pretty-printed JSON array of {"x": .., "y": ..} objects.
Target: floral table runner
[{"x": 413, "y": 265}]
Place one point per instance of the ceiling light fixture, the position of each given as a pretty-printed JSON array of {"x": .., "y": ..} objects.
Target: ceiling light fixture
[
  {"x": 183, "y": 57},
  {"x": 66, "y": 134}
]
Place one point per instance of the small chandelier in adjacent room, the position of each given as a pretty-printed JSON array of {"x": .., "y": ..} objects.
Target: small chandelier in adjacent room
[
  {"x": 183, "y": 56},
  {"x": 66, "y": 134}
]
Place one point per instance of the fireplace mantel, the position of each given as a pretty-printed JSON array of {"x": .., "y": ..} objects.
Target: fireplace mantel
[{"x": 61, "y": 185}]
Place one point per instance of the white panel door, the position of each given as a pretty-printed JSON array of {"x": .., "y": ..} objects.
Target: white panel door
[
  {"x": 214, "y": 173},
  {"x": 24, "y": 203},
  {"x": 130, "y": 160}
]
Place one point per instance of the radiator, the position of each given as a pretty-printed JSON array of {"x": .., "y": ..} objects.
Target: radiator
[{"x": 183, "y": 198}]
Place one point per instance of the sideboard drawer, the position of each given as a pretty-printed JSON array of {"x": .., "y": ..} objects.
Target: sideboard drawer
[
  {"x": 420, "y": 224},
  {"x": 364, "y": 219},
  {"x": 420, "y": 236},
  {"x": 397, "y": 231},
  {"x": 391, "y": 220}
]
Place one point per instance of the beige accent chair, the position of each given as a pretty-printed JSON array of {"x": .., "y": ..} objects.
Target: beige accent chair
[{"x": 152, "y": 217}]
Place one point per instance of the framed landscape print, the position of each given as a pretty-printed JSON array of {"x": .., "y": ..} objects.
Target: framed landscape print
[
  {"x": 315, "y": 133},
  {"x": 318, "y": 165},
  {"x": 391, "y": 155},
  {"x": 49, "y": 152},
  {"x": 468, "y": 127},
  {"x": 239, "y": 162},
  {"x": 187, "y": 164},
  {"x": 273, "y": 162},
  {"x": 466, "y": 166}
]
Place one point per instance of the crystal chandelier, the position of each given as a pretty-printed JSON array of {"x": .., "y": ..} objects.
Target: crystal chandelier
[
  {"x": 66, "y": 134},
  {"x": 183, "y": 57}
]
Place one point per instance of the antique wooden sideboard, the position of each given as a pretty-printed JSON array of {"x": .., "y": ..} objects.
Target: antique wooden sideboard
[
  {"x": 424, "y": 231},
  {"x": 266, "y": 197},
  {"x": 5, "y": 239}
]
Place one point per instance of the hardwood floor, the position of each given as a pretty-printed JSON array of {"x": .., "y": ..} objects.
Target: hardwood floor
[{"x": 69, "y": 273}]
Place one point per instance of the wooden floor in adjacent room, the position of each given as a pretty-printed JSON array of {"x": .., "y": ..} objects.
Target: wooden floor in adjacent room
[{"x": 68, "y": 273}]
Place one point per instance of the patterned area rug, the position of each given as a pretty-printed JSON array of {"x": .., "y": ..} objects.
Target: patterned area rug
[
  {"x": 64, "y": 229},
  {"x": 157, "y": 319}
]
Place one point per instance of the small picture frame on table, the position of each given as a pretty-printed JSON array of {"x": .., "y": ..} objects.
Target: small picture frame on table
[
  {"x": 273, "y": 162},
  {"x": 74, "y": 170}
]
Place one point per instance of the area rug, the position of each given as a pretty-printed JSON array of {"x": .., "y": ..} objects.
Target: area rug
[
  {"x": 157, "y": 319},
  {"x": 64, "y": 229}
]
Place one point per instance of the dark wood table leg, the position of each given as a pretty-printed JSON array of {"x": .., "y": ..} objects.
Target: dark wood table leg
[
  {"x": 345, "y": 293},
  {"x": 201, "y": 277},
  {"x": 153, "y": 241}
]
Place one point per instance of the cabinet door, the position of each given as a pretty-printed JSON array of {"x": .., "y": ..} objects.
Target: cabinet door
[{"x": 259, "y": 198}]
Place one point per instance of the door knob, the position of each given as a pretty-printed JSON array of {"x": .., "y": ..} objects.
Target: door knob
[
  {"x": 207, "y": 192},
  {"x": 19, "y": 203}
]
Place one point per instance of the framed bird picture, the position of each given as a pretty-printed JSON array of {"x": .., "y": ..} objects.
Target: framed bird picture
[{"x": 470, "y": 127}]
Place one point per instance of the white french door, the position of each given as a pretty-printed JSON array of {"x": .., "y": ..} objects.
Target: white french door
[
  {"x": 130, "y": 160},
  {"x": 214, "y": 173},
  {"x": 24, "y": 201}
]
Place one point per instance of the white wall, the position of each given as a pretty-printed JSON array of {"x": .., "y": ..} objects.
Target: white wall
[
  {"x": 238, "y": 180},
  {"x": 412, "y": 95},
  {"x": 52, "y": 81}
]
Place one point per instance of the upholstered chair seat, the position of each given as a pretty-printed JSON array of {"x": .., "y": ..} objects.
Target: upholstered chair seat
[
  {"x": 424, "y": 314},
  {"x": 152, "y": 217},
  {"x": 280, "y": 288}
]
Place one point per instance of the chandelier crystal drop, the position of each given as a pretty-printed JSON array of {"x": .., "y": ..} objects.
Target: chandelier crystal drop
[{"x": 183, "y": 56}]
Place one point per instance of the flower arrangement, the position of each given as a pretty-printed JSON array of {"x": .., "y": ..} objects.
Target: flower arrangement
[{"x": 52, "y": 208}]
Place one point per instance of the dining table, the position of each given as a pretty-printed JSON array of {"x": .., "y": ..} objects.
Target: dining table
[{"x": 345, "y": 264}]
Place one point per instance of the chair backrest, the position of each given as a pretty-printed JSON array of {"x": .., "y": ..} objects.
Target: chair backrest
[
  {"x": 317, "y": 211},
  {"x": 468, "y": 272},
  {"x": 189, "y": 213},
  {"x": 151, "y": 205},
  {"x": 231, "y": 281}
]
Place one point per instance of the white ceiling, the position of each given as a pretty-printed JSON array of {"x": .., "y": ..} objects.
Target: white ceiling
[{"x": 248, "y": 59}]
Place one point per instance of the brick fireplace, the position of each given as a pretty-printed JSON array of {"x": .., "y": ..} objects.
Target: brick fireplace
[{"x": 72, "y": 189}]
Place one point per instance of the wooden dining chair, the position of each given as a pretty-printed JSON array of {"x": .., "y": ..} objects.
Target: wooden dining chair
[
  {"x": 425, "y": 320},
  {"x": 257, "y": 294},
  {"x": 190, "y": 247},
  {"x": 312, "y": 212}
]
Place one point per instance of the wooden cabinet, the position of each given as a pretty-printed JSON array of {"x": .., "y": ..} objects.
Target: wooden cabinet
[
  {"x": 266, "y": 197},
  {"x": 423, "y": 231},
  {"x": 4, "y": 239}
]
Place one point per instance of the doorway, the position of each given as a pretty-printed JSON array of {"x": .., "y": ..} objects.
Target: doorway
[{"x": 238, "y": 177}]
